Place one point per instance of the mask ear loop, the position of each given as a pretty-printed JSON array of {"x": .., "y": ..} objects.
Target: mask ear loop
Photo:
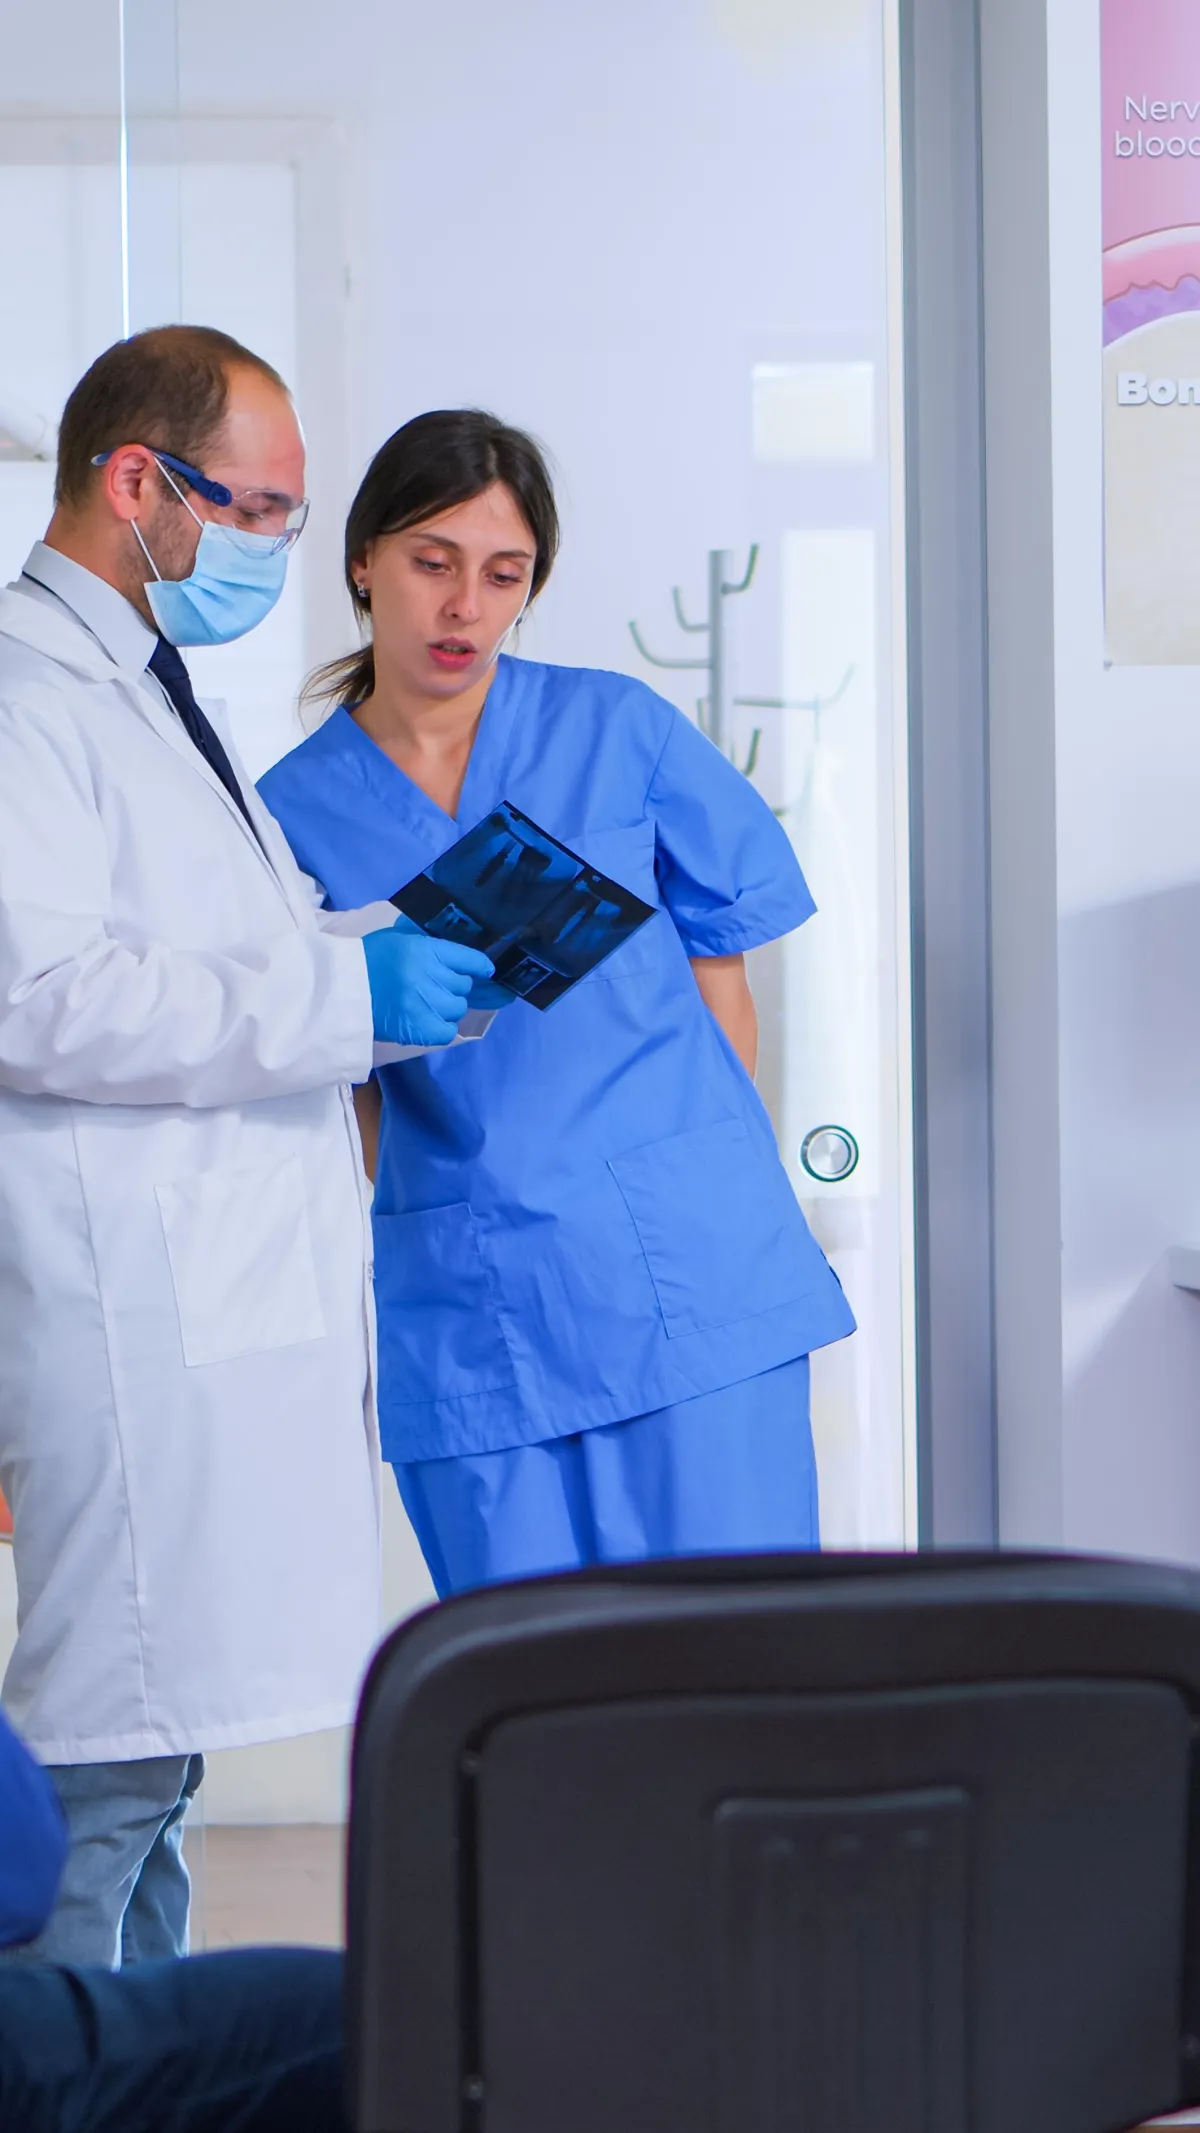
[{"x": 137, "y": 534}]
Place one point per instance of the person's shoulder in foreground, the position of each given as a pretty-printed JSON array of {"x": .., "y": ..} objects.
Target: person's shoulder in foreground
[{"x": 33, "y": 1841}]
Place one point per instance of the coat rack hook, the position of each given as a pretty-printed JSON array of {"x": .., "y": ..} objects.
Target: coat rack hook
[
  {"x": 653, "y": 657},
  {"x": 680, "y": 617},
  {"x": 798, "y": 703},
  {"x": 744, "y": 584}
]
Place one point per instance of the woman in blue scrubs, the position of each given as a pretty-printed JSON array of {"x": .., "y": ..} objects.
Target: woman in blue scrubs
[{"x": 596, "y": 1292}]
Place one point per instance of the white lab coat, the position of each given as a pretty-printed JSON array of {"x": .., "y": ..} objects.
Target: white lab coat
[{"x": 187, "y": 1432}]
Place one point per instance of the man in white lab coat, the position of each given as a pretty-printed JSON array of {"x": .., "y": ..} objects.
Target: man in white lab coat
[{"x": 187, "y": 1434}]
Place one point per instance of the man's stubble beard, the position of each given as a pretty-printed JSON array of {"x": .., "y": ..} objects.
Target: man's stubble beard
[{"x": 168, "y": 544}]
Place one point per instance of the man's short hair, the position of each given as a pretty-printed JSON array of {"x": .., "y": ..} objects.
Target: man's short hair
[{"x": 167, "y": 388}]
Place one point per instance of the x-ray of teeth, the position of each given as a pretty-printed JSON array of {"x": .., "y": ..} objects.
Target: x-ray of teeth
[{"x": 543, "y": 915}]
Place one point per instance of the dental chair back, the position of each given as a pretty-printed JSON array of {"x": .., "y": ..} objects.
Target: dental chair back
[{"x": 835, "y": 1844}]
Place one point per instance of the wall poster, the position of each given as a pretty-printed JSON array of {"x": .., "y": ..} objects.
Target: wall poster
[{"x": 1150, "y": 101}]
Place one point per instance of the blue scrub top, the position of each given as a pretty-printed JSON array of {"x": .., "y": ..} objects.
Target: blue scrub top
[{"x": 583, "y": 1217}]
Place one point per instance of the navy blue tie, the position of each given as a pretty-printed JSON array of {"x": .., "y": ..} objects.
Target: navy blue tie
[{"x": 168, "y": 668}]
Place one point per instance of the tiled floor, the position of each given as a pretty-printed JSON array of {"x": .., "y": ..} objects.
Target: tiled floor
[{"x": 269, "y": 1886}]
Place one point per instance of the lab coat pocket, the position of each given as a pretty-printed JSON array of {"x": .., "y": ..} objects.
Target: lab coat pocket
[
  {"x": 241, "y": 1261},
  {"x": 720, "y": 1227},
  {"x": 440, "y": 1336}
]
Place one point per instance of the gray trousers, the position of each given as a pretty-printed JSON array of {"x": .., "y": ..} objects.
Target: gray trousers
[{"x": 125, "y": 1893}]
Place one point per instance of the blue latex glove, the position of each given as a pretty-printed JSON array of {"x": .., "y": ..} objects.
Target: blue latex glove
[
  {"x": 485, "y": 994},
  {"x": 419, "y": 986}
]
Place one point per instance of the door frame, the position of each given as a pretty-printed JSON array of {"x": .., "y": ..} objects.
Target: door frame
[{"x": 977, "y": 321}]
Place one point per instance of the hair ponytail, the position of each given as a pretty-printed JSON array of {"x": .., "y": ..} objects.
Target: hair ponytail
[{"x": 340, "y": 681}]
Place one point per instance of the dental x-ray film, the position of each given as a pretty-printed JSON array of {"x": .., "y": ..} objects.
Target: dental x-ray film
[{"x": 543, "y": 915}]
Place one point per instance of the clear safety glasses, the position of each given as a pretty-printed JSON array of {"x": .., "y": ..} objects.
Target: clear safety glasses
[{"x": 256, "y": 512}]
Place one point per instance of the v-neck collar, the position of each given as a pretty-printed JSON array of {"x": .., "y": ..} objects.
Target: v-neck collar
[{"x": 482, "y": 785}]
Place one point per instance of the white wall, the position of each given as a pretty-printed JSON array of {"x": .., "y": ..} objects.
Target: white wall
[
  {"x": 594, "y": 222},
  {"x": 1121, "y": 1469}
]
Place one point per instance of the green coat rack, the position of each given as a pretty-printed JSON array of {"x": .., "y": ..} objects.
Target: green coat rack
[{"x": 714, "y": 709}]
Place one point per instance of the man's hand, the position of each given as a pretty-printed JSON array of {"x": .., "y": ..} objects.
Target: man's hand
[{"x": 420, "y": 987}]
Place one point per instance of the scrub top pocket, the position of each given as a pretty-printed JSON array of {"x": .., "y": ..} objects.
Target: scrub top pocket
[
  {"x": 440, "y": 1337},
  {"x": 722, "y": 1233},
  {"x": 241, "y": 1261},
  {"x": 626, "y": 855}
]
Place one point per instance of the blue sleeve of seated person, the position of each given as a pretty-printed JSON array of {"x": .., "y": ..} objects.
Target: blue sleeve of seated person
[{"x": 33, "y": 1842}]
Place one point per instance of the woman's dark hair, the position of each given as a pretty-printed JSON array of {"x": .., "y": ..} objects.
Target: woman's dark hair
[{"x": 436, "y": 461}]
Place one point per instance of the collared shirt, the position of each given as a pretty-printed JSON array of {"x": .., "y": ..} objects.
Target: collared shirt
[{"x": 55, "y": 580}]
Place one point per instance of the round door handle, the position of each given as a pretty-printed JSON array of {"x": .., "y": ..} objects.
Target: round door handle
[{"x": 829, "y": 1154}]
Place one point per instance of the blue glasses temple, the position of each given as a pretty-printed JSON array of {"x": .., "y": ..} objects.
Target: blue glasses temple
[{"x": 214, "y": 492}]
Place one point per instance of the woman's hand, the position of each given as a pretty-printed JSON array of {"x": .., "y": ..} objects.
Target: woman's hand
[{"x": 725, "y": 991}]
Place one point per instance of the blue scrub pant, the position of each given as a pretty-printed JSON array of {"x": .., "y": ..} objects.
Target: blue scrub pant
[
  {"x": 249, "y": 2041},
  {"x": 725, "y": 1473}
]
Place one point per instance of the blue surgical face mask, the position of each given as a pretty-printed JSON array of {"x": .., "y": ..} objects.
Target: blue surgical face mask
[{"x": 233, "y": 584}]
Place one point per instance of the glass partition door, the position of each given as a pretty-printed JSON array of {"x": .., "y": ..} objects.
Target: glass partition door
[
  {"x": 669, "y": 244},
  {"x": 666, "y": 239}
]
